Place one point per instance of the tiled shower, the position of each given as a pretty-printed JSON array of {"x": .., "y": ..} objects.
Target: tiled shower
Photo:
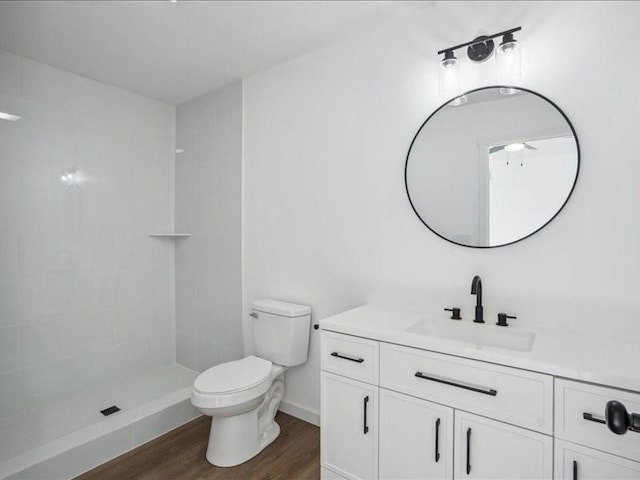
[{"x": 93, "y": 308}]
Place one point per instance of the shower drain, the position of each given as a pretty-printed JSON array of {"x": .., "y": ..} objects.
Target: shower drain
[{"x": 108, "y": 411}]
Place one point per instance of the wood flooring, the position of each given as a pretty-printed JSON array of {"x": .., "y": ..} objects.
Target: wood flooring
[{"x": 180, "y": 455}]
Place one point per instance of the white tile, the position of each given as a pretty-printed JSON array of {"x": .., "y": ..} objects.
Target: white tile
[
  {"x": 229, "y": 101},
  {"x": 71, "y": 257},
  {"x": 135, "y": 288},
  {"x": 196, "y": 113},
  {"x": 43, "y": 341},
  {"x": 229, "y": 327},
  {"x": 206, "y": 323},
  {"x": 10, "y": 73},
  {"x": 210, "y": 354},
  {"x": 186, "y": 351},
  {"x": 8, "y": 349},
  {"x": 141, "y": 113}
]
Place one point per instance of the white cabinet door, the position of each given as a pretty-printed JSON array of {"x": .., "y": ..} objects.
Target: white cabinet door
[
  {"x": 349, "y": 430},
  {"x": 574, "y": 462},
  {"x": 492, "y": 450},
  {"x": 416, "y": 438}
]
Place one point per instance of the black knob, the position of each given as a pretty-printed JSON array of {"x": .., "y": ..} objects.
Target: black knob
[
  {"x": 455, "y": 313},
  {"x": 617, "y": 417},
  {"x": 316, "y": 326},
  {"x": 502, "y": 319}
]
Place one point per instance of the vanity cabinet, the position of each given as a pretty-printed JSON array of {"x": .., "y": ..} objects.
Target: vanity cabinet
[
  {"x": 416, "y": 438},
  {"x": 349, "y": 426},
  {"x": 395, "y": 412},
  {"x": 489, "y": 449},
  {"x": 349, "y": 406}
]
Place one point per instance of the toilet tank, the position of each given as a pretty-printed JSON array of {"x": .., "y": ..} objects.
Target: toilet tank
[{"x": 281, "y": 331}]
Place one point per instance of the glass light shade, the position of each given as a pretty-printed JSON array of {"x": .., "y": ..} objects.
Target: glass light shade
[
  {"x": 449, "y": 77},
  {"x": 508, "y": 63}
]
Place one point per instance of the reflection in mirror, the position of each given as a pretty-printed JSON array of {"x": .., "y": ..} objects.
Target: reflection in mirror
[{"x": 493, "y": 170}]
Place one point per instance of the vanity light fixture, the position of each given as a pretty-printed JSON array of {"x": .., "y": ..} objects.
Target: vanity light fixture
[
  {"x": 9, "y": 116},
  {"x": 449, "y": 60},
  {"x": 69, "y": 176},
  {"x": 449, "y": 78},
  {"x": 479, "y": 50},
  {"x": 179, "y": 150}
]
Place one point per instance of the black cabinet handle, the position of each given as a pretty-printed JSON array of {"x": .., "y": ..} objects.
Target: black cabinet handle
[
  {"x": 575, "y": 470},
  {"x": 437, "y": 440},
  {"x": 468, "y": 451},
  {"x": 366, "y": 427},
  {"x": 617, "y": 429},
  {"x": 473, "y": 388},
  {"x": 347, "y": 357},
  {"x": 591, "y": 418}
]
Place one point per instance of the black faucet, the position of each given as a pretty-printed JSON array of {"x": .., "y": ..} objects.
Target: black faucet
[{"x": 476, "y": 289}]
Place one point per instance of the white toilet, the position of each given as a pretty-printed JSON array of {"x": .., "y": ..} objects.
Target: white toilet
[{"x": 242, "y": 396}]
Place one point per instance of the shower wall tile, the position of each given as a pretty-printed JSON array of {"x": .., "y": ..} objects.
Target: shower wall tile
[
  {"x": 208, "y": 205},
  {"x": 8, "y": 349},
  {"x": 86, "y": 296},
  {"x": 10, "y": 73}
]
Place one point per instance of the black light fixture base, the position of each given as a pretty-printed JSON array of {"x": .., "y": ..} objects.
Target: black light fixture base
[{"x": 481, "y": 49}]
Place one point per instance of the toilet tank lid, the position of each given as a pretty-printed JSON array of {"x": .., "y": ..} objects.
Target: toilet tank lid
[{"x": 276, "y": 307}]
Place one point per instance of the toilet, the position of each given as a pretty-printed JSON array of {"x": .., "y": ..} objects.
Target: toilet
[{"x": 242, "y": 396}]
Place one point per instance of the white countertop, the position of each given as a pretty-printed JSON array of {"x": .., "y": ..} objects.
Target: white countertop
[{"x": 564, "y": 354}]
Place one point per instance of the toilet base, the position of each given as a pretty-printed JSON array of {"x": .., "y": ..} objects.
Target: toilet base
[{"x": 234, "y": 440}]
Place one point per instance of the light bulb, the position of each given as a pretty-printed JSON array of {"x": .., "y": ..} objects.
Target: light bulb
[
  {"x": 449, "y": 78},
  {"x": 449, "y": 61},
  {"x": 508, "y": 64}
]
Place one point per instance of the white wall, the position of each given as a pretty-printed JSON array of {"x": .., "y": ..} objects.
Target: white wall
[
  {"x": 208, "y": 206},
  {"x": 326, "y": 217},
  {"x": 86, "y": 297}
]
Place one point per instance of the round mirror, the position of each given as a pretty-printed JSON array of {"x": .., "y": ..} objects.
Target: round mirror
[{"x": 492, "y": 166}]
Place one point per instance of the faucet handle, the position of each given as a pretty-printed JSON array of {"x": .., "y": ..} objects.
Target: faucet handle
[
  {"x": 502, "y": 319},
  {"x": 455, "y": 313}
]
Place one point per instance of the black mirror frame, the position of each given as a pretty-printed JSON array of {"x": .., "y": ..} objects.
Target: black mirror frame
[{"x": 573, "y": 131}]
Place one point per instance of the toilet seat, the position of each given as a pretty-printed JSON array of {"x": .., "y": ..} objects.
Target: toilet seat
[{"x": 232, "y": 383}]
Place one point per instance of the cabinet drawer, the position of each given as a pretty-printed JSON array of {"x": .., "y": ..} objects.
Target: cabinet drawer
[
  {"x": 514, "y": 396},
  {"x": 575, "y": 462},
  {"x": 352, "y": 357},
  {"x": 574, "y": 399}
]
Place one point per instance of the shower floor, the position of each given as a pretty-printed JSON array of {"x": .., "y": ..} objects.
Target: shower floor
[{"x": 34, "y": 436}]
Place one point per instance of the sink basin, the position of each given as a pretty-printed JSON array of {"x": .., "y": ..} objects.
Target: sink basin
[{"x": 477, "y": 334}]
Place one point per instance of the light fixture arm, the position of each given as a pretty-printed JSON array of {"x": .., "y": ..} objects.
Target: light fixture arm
[{"x": 484, "y": 39}]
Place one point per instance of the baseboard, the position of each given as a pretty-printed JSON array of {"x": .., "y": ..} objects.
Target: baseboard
[{"x": 309, "y": 416}]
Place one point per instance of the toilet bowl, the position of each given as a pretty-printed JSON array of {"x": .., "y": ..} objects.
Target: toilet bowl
[
  {"x": 242, "y": 396},
  {"x": 242, "y": 399}
]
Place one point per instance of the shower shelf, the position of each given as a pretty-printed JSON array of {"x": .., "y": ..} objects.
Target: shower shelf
[{"x": 170, "y": 235}]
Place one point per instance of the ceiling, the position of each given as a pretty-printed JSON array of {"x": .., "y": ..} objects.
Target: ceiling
[{"x": 174, "y": 52}]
